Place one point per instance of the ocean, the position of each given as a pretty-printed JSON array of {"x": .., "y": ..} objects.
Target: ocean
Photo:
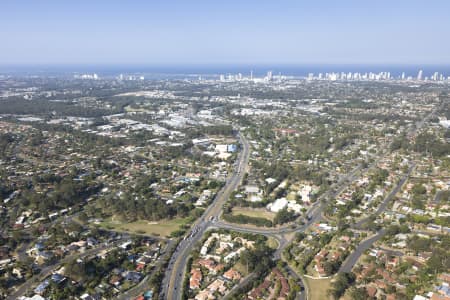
[{"x": 168, "y": 71}]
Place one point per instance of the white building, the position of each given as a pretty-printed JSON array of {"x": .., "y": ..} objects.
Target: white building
[{"x": 282, "y": 203}]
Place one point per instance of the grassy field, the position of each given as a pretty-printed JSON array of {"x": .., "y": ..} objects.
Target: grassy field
[
  {"x": 272, "y": 243},
  {"x": 259, "y": 213},
  {"x": 241, "y": 269},
  {"x": 160, "y": 228},
  {"x": 318, "y": 288},
  {"x": 130, "y": 109}
]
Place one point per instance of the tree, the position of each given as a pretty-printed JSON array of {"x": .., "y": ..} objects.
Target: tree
[
  {"x": 330, "y": 267},
  {"x": 418, "y": 244},
  {"x": 392, "y": 230},
  {"x": 284, "y": 216},
  {"x": 418, "y": 189},
  {"x": 258, "y": 259},
  {"x": 358, "y": 293},
  {"x": 340, "y": 284},
  {"x": 83, "y": 217},
  {"x": 439, "y": 261}
]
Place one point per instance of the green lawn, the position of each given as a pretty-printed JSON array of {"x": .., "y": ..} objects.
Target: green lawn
[
  {"x": 131, "y": 109},
  {"x": 272, "y": 243},
  {"x": 259, "y": 213},
  {"x": 241, "y": 269},
  {"x": 318, "y": 288},
  {"x": 160, "y": 228}
]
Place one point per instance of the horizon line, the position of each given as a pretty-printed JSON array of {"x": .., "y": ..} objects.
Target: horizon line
[{"x": 229, "y": 64}]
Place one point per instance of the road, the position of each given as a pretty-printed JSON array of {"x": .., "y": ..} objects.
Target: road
[
  {"x": 172, "y": 284},
  {"x": 175, "y": 273},
  {"x": 383, "y": 206},
  {"x": 22, "y": 251},
  {"x": 174, "y": 276},
  {"x": 351, "y": 260},
  {"x": 298, "y": 278},
  {"x": 144, "y": 286},
  {"x": 210, "y": 219},
  {"x": 241, "y": 284},
  {"x": 292, "y": 274},
  {"x": 46, "y": 271}
]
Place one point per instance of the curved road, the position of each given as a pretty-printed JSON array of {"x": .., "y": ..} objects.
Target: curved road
[
  {"x": 351, "y": 260},
  {"x": 172, "y": 284},
  {"x": 46, "y": 271},
  {"x": 383, "y": 206}
]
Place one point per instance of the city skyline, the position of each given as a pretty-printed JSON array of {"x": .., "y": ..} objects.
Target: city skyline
[{"x": 205, "y": 33}]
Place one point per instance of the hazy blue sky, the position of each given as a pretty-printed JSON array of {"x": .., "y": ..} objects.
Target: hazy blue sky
[{"x": 224, "y": 32}]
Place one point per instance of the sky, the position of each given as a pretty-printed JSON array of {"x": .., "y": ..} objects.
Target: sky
[{"x": 203, "y": 32}]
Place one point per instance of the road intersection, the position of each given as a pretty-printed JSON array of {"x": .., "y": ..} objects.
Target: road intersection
[{"x": 172, "y": 286}]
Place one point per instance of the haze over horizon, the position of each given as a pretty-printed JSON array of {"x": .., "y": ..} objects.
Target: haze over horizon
[{"x": 204, "y": 32}]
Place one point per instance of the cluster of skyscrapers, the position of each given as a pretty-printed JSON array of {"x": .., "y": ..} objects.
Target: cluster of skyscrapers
[
  {"x": 339, "y": 76},
  {"x": 376, "y": 76},
  {"x": 130, "y": 77},
  {"x": 238, "y": 77},
  {"x": 86, "y": 76}
]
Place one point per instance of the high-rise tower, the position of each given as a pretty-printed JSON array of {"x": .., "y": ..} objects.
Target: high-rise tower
[{"x": 419, "y": 76}]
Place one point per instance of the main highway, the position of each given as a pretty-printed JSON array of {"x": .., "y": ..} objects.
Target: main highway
[{"x": 172, "y": 284}]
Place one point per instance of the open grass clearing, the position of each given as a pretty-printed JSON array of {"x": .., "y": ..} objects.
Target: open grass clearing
[
  {"x": 135, "y": 109},
  {"x": 161, "y": 228},
  {"x": 318, "y": 288},
  {"x": 272, "y": 243},
  {"x": 241, "y": 269},
  {"x": 253, "y": 212}
]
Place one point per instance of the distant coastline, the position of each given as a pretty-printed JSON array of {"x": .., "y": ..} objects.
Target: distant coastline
[{"x": 195, "y": 70}]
